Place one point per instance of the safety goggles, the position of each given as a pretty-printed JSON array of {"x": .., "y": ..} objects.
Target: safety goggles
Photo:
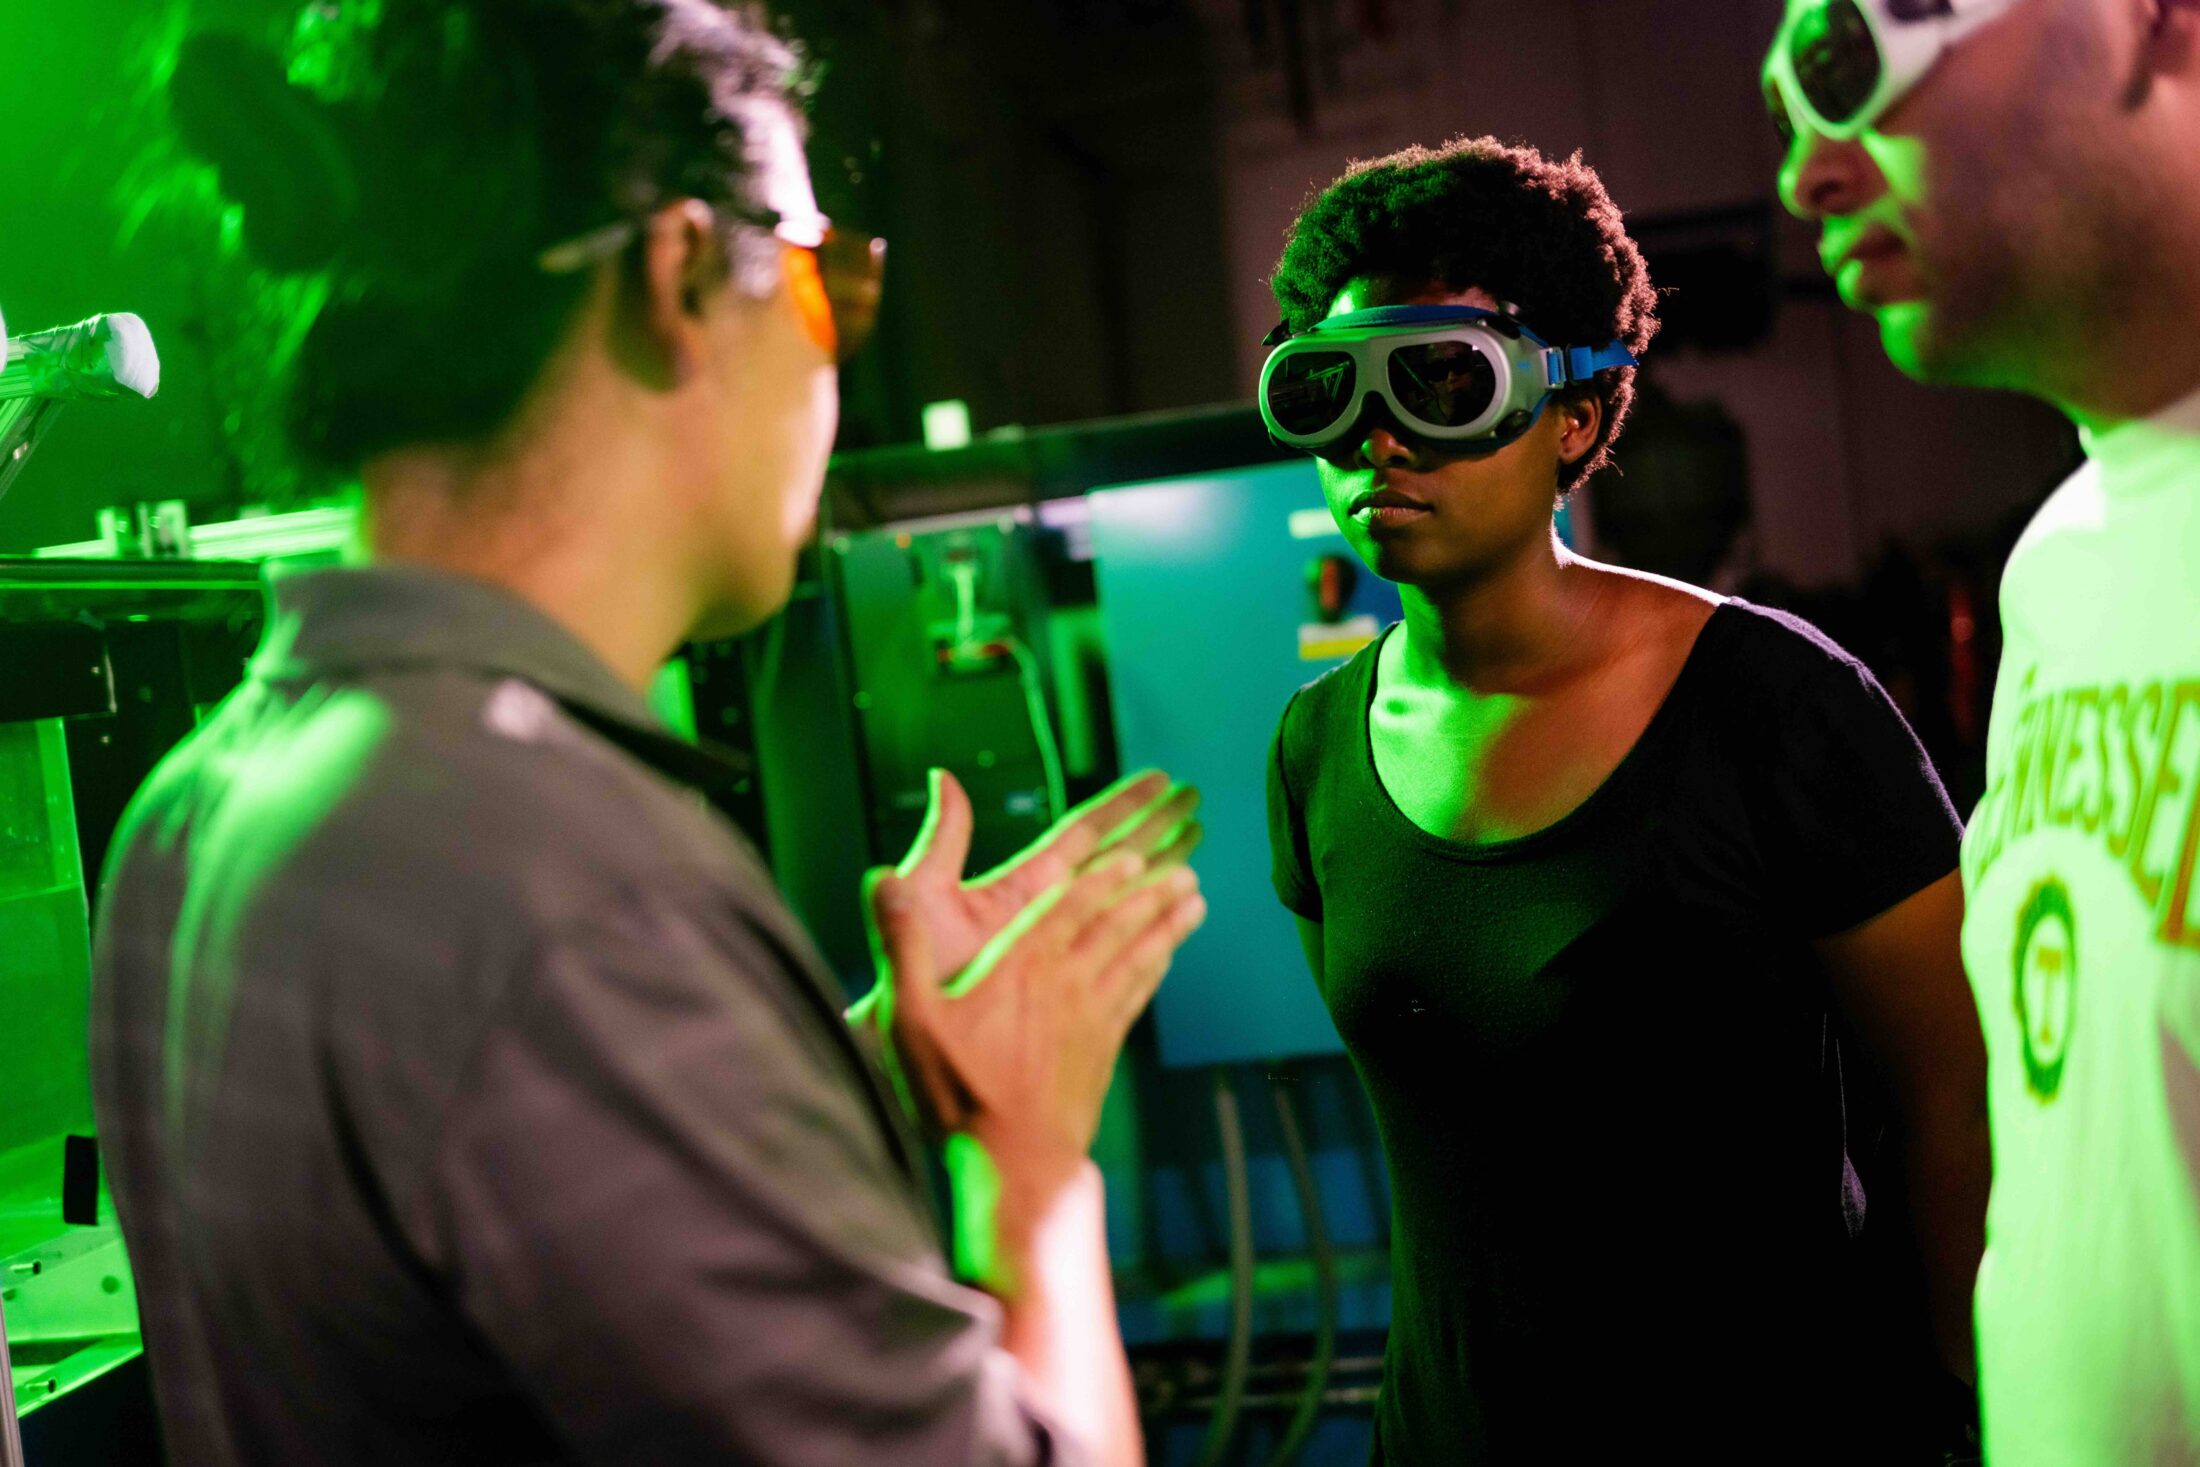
[
  {"x": 1453, "y": 376},
  {"x": 836, "y": 277},
  {"x": 1838, "y": 65}
]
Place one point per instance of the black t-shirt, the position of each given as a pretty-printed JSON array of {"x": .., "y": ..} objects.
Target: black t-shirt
[{"x": 1601, "y": 1057}]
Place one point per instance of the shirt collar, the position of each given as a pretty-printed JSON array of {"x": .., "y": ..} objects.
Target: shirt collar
[
  {"x": 2132, "y": 446},
  {"x": 349, "y": 619}
]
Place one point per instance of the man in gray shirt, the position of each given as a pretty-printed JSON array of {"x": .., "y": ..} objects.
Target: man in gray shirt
[{"x": 469, "y": 1094}]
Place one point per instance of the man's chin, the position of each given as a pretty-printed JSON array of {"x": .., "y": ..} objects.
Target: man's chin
[
  {"x": 740, "y": 613},
  {"x": 1906, "y": 332}
]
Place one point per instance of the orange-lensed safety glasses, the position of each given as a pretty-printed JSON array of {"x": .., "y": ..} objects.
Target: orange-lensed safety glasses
[
  {"x": 837, "y": 284},
  {"x": 835, "y": 276}
]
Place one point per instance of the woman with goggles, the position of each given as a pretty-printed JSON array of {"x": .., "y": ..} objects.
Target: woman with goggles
[{"x": 1593, "y": 869}]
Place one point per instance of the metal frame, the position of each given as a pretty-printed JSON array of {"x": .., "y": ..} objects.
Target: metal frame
[{"x": 11, "y": 1436}]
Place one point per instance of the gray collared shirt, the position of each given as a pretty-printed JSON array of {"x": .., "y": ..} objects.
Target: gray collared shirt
[{"x": 470, "y": 1096}]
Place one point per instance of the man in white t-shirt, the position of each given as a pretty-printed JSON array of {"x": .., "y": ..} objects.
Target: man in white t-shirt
[{"x": 2012, "y": 189}]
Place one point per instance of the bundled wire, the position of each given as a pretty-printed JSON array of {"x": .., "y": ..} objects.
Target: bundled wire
[
  {"x": 1042, "y": 728},
  {"x": 1324, "y": 1257},
  {"x": 1238, "y": 1360}
]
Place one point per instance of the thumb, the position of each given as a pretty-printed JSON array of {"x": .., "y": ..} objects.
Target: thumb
[
  {"x": 907, "y": 996},
  {"x": 942, "y": 846},
  {"x": 901, "y": 941}
]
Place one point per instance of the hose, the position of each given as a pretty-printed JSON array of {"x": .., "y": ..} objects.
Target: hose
[
  {"x": 1042, "y": 728},
  {"x": 1238, "y": 1359},
  {"x": 1324, "y": 1255}
]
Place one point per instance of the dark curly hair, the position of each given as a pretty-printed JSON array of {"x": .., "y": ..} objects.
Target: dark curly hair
[
  {"x": 1538, "y": 234},
  {"x": 450, "y": 142}
]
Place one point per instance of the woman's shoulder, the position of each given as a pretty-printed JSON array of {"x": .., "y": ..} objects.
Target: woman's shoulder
[
  {"x": 1742, "y": 649},
  {"x": 1324, "y": 713},
  {"x": 1657, "y": 624},
  {"x": 1782, "y": 679},
  {"x": 1784, "y": 649},
  {"x": 1675, "y": 611}
]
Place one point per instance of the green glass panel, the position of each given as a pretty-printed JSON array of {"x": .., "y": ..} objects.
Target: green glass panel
[{"x": 45, "y": 958}]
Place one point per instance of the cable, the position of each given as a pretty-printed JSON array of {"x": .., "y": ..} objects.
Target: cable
[
  {"x": 1238, "y": 1360},
  {"x": 1325, "y": 1281},
  {"x": 964, "y": 575},
  {"x": 1042, "y": 728}
]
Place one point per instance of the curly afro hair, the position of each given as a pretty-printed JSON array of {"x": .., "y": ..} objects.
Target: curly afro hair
[{"x": 1538, "y": 234}]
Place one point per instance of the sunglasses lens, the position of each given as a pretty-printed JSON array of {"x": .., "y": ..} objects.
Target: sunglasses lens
[
  {"x": 1444, "y": 383},
  {"x": 1310, "y": 390},
  {"x": 854, "y": 271},
  {"x": 1836, "y": 60}
]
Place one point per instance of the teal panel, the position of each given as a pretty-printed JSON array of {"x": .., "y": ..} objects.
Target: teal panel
[{"x": 1203, "y": 585}]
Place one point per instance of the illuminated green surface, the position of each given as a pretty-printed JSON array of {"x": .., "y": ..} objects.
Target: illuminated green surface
[
  {"x": 105, "y": 213},
  {"x": 45, "y": 958},
  {"x": 65, "y": 1292},
  {"x": 976, "y": 1183},
  {"x": 673, "y": 697},
  {"x": 71, "y": 1311}
]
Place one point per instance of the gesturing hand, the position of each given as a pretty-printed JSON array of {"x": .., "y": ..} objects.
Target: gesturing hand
[
  {"x": 1145, "y": 815},
  {"x": 1017, "y": 1048},
  {"x": 1143, "y": 821}
]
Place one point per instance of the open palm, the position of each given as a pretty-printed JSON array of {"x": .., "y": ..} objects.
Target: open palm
[{"x": 1144, "y": 814}]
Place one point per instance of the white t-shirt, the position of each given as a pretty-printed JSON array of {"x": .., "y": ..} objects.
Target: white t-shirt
[{"x": 2081, "y": 871}]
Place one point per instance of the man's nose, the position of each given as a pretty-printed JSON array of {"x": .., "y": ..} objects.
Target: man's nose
[{"x": 1823, "y": 178}]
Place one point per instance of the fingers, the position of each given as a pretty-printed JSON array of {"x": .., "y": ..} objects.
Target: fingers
[
  {"x": 942, "y": 846},
  {"x": 1089, "y": 897},
  {"x": 1154, "y": 828},
  {"x": 1074, "y": 839},
  {"x": 1114, "y": 931},
  {"x": 1042, "y": 932},
  {"x": 1138, "y": 971},
  {"x": 1098, "y": 821},
  {"x": 1179, "y": 850}
]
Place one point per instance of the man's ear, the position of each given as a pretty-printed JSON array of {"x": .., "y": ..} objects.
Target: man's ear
[
  {"x": 1581, "y": 420},
  {"x": 2173, "y": 41},
  {"x": 683, "y": 264}
]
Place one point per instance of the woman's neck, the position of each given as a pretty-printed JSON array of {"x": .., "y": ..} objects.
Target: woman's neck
[{"x": 1522, "y": 628}]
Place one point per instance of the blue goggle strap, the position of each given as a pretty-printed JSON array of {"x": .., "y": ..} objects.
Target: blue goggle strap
[{"x": 1565, "y": 365}]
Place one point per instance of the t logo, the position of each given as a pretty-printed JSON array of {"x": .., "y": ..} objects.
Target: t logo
[{"x": 2046, "y": 984}]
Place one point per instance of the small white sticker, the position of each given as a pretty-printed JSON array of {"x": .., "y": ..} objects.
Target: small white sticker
[
  {"x": 1312, "y": 524},
  {"x": 518, "y": 711},
  {"x": 1324, "y": 641}
]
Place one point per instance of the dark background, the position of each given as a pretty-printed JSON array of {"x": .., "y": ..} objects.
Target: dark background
[{"x": 1083, "y": 199}]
